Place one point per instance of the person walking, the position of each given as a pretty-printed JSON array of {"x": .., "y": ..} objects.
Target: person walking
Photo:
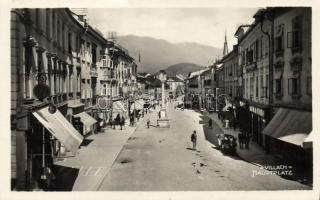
[
  {"x": 122, "y": 122},
  {"x": 210, "y": 123},
  {"x": 240, "y": 136},
  {"x": 194, "y": 140},
  {"x": 148, "y": 123},
  {"x": 246, "y": 140}
]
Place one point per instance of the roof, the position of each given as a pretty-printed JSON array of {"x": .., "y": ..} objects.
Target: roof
[
  {"x": 196, "y": 73},
  {"x": 174, "y": 79}
]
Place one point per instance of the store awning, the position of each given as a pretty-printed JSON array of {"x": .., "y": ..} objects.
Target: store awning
[
  {"x": 118, "y": 106},
  {"x": 307, "y": 143},
  {"x": 138, "y": 105},
  {"x": 292, "y": 126},
  {"x": 60, "y": 128},
  {"x": 86, "y": 119}
]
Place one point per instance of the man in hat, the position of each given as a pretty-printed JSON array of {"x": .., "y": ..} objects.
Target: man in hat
[{"x": 194, "y": 139}]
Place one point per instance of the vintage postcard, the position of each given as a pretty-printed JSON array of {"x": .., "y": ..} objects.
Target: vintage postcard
[{"x": 176, "y": 100}]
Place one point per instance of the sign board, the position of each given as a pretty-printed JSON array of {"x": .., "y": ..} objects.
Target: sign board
[{"x": 41, "y": 91}]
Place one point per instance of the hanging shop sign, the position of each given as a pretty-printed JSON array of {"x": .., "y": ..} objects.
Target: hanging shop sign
[
  {"x": 104, "y": 104},
  {"x": 41, "y": 91},
  {"x": 257, "y": 111}
]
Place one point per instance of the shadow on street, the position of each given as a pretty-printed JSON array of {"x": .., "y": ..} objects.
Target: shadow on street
[{"x": 65, "y": 177}]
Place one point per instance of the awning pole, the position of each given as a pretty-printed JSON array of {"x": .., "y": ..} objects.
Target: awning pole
[{"x": 43, "y": 156}]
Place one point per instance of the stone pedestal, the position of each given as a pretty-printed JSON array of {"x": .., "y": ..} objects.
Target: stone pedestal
[{"x": 163, "y": 122}]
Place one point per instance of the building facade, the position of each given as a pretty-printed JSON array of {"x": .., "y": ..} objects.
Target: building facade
[
  {"x": 292, "y": 90},
  {"x": 253, "y": 47},
  {"x": 56, "y": 62}
]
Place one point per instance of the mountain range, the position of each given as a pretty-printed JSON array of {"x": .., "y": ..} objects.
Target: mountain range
[{"x": 157, "y": 54}]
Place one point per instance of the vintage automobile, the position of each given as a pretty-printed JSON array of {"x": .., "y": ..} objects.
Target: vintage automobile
[{"x": 227, "y": 143}]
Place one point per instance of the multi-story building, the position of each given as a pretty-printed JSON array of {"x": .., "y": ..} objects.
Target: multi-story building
[
  {"x": 291, "y": 124},
  {"x": 195, "y": 90},
  {"x": 176, "y": 85},
  {"x": 219, "y": 82},
  {"x": 232, "y": 74},
  {"x": 208, "y": 88},
  {"x": 45, "y": 72},
  {"x": 253, "y": 48},
  {"x": 56, "y": 58}
]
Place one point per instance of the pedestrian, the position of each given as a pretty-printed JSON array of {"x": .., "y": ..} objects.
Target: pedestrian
[
  {"x": 159, "y": 114},
  {"x": 122, "y": 122},
  {"x": 240, "y": 137},
  {"x": 246, "y": 140},
  {"x": 194, "y": 139},
  {"x": 114, "y": 123},
  {"x": 148, "y": 123},
  {"x": 210, "y": 122},
  {"x": 117, "y": 121}
]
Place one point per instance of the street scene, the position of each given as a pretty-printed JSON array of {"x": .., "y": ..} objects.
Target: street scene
[{"x": 97, "y": 105}]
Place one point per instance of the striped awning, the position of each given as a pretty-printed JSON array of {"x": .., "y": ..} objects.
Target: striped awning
[
  {"x": 60, "y": 128},
  {"x": 138, "y": 105},
  {"x": 289, "y": 125}
]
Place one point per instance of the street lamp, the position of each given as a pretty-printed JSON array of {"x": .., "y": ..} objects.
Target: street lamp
[
  {"x": 201, "y": 91},
  {"x": 217, "y": 90},
  {"x": 163, "y": 120}
]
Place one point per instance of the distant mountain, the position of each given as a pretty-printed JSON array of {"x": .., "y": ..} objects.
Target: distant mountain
[
  {"x": 182, "y": 68},
  {"x": 158, "y": 54}
]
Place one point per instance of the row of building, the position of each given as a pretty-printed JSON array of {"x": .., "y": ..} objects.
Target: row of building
[
  {"x": 64, "y": 74},
  {"x": 266, "y": 81}
]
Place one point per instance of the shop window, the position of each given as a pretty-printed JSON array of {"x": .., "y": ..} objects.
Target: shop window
[{"x": 293, "y": 86}]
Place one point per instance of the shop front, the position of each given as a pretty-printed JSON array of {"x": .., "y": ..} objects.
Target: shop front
[
  {"x": 86, "y": 121},
  {"x": 48, "y": 135},
  {"x": 289, "y": 127},
  {"x": 259, "y": 116},
  {"x": 290, "y": 136}
]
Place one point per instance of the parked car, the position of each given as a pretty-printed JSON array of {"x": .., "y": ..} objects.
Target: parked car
[{"x": 227, "y": 143}]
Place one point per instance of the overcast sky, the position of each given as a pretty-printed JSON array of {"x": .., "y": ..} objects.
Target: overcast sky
[{"x": 201, "y": 25}]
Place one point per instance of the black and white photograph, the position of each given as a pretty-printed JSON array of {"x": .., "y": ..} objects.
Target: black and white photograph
[{"x": 161, "y": 99}]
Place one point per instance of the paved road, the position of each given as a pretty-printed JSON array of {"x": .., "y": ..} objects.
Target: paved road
[{"x": 160, "y": 159}]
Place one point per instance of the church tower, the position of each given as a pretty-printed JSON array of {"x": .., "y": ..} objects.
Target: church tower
[{"x": 225, "y": 46}]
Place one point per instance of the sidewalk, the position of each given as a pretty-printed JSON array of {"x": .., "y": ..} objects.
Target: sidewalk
[
  {"x": 94, "y": 159},
  {"x": 254, "y": 154},
  {"x": 257, "y": 156}
]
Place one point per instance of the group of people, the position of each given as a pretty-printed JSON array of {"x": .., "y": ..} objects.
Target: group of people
[
  {"x": 244, "y": 139},
  {"x": 118, "y": 121}
]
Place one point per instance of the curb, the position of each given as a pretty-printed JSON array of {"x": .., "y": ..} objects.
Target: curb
[
  {"x": 99, "y": 183},
  {"x": 223, "y": 130}
]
